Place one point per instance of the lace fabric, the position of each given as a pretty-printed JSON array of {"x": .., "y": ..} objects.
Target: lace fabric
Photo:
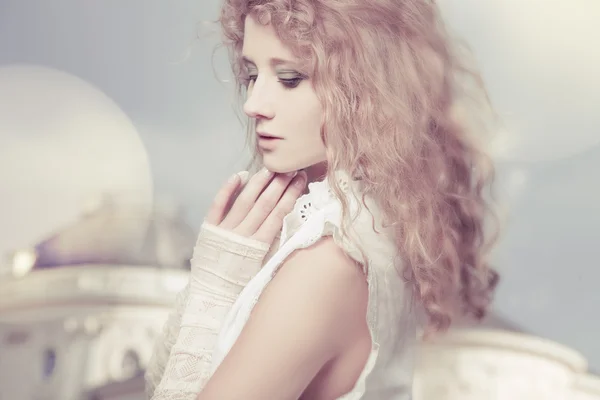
[
  {"x": 223, "y": 263},
  {"x": 164, "y": 343}
]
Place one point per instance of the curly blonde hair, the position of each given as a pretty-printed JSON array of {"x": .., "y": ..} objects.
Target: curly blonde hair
[{"x": 390, "y": 82}]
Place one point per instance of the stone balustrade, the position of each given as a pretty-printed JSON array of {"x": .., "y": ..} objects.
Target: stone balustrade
[
  {"x": 495, "y": 365},
  {"x": 586, "y": 387},
  {"x": 90, "y": 329}
]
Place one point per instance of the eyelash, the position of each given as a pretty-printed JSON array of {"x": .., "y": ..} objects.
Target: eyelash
[{"x": 287, "y": 83}]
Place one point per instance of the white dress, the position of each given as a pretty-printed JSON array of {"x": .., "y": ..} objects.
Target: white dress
[{"x": 391, "y": 319}]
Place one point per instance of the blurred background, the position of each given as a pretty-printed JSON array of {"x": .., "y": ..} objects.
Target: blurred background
[{"x": 117, "y": 126}]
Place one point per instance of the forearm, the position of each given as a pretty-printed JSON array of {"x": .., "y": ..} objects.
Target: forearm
[
  {"x": 188, "y": 365},
  {"x": 222, "y": 265},
  {"x": 165, "y": 342}
]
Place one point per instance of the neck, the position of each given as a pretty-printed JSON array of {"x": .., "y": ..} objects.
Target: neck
[{"x": 316, "y": 172}]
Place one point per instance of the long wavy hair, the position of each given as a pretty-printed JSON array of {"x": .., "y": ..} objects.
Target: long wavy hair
[{"x": 391, "y": 83}]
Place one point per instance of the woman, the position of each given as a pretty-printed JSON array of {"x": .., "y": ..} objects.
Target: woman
[{"x": 314, "y": 293}]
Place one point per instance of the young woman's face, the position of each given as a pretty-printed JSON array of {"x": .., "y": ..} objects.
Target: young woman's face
[{"x": 282, "y": 101}]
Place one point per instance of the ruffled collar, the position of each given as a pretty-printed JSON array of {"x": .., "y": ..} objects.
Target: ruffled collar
[{"x": 320, "y": 196}]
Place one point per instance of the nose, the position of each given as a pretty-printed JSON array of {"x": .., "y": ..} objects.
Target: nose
[{"x": 258, "y": 102}]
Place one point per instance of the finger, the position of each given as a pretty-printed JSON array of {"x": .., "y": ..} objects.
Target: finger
[
  {"x": 244, "y": 202},
  {"x": 244, "y": 176},
  {"x": 268, "y": 231},
  {"x": 264, "y": 205},
  {"x": 219, "y": 205}
]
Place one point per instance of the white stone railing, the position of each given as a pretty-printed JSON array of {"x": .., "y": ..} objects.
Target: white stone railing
[
  {"x": 586, "y": 387},
  {"x": 101, "y": 323},
  {"x": 69, "y": 330},
  {"x": 85, "y": 284},
  {"x": 495, "y": 365}
]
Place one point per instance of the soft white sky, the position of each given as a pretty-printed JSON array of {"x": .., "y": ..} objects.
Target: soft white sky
[{"x": 544, "y": 85}]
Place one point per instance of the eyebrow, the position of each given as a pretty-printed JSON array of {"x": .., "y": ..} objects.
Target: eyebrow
[{"x": 275, "y": 61}]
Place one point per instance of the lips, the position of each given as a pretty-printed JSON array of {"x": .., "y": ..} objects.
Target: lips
[{"x": 267, "y": 136}]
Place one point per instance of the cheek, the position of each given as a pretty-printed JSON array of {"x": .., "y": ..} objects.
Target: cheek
[
  {"x": 305, "y": 120},
  {"x": 315, "y": 116}
]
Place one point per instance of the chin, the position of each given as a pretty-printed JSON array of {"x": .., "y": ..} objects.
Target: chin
[
  {"x": 284, "y": 162},
  {"x": 279, "y": 166}
]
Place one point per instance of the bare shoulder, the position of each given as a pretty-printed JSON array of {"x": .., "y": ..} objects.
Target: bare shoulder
[
  {"x": 327, "y": 262},
  {"x": 325, "y": 273},
  {"x": 311, "y": 312},
  {"x": 325, "y": 290}
]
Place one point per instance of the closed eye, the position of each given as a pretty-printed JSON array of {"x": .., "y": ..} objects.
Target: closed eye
[
  {"x": 291, "y": 83},
  {"x": 288, "y": 83}
]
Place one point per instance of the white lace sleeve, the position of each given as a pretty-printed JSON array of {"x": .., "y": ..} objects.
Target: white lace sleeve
[
  {"x": 222, "y": 265},
  {"x": 164, "y": 343}
]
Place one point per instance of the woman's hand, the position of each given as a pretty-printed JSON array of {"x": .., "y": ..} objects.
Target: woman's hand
[{"x": 258, "y": 211}]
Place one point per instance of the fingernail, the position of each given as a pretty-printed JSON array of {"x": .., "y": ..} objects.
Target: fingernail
[
  {"x": 300, "y": 181},
  {"x": 232, "y": 178},
  {"x": 268, "y": 173},
  {"x": 243, "y": 176},
  {"x": 291, "y": 174}
]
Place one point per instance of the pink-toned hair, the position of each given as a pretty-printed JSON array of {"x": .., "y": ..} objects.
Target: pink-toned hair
[{"x": 390, "y": 80}]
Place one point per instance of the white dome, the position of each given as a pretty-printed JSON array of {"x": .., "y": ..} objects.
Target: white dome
[{"x": 63, "y": 142}]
